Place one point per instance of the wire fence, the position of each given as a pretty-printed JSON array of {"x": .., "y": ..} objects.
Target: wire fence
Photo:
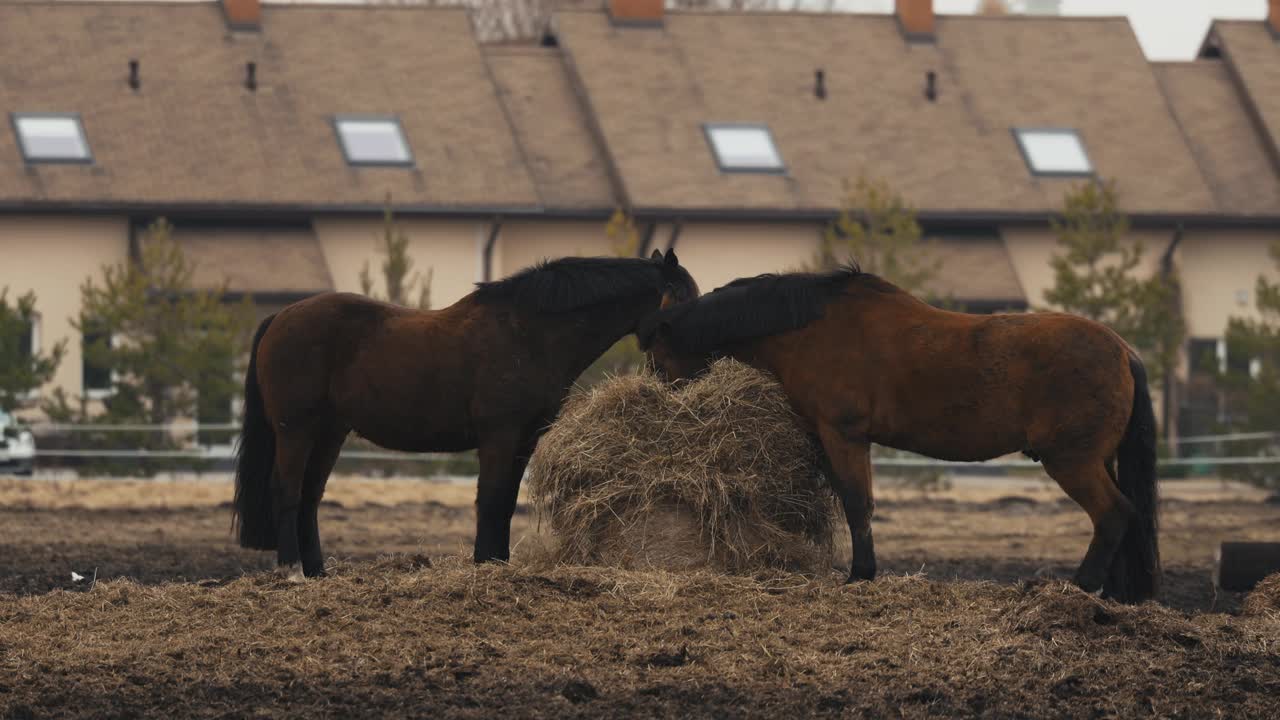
[{"x": 191, "y": 450}]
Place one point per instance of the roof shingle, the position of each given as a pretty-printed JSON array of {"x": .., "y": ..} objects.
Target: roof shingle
[
  {"x": 194, "y": 134},
  {"x": 1221, "y": 135},
  {"x": 653, "y": 88},
  {"x": 1253, "y": 56},
  {"x": 551, "y": 127}
]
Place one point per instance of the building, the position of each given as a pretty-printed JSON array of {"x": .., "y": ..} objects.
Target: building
[{"x": 272, "y": 136}]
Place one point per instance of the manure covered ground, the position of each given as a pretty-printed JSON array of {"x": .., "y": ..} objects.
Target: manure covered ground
[{"x": 182, "y": 623}]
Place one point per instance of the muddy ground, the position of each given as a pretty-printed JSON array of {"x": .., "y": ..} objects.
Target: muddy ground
[{"x": 969, "y": 619}]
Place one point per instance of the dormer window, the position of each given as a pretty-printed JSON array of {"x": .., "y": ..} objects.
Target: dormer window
[
  {"x": 372, "y": 141},
  {"x": 744, "y": 148},
  {"x": 51, "y": 138},
  {"x": 1053, "y": 151}
]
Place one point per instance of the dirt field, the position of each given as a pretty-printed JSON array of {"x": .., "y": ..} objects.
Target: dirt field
[{"x": 969, "y": 619}]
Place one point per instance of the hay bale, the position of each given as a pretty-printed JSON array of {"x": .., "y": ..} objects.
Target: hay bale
[
  {"x": 714, "y": 473},
  {"x": 1265, "y": 598}
]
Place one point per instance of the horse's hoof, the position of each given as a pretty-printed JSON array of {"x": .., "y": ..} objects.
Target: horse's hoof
[
  {"x": 1091, "y": 585},
  {"x": 858, "y": 574},
  {"x": 292, "y": 573}
]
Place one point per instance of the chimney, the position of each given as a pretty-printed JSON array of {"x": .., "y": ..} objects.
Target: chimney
[
  {"x": 636, "y": 12},
  {"x": 243, "y": 14},
  {"x": 1273, "y": 17},
  {"x": 916, "y": 18}
]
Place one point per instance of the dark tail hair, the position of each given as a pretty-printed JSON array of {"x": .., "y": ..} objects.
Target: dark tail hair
[
  {"x": 254, "y": 517},
  {"x": 1134, "y": 575}
]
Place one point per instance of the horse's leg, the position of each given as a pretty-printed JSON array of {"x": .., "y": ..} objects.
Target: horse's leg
[
  {"x": 1090, "y": 484},
  {"x": 513, "y": 487},
  {"x": 293, "y": 446},
  {"x": 496, "y": 494},
  {"x": 849, "y": 472},
  {"x": 323, "y": 457}
]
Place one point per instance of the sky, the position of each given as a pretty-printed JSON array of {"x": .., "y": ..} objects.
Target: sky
[{"x": 1167, "y": 29}]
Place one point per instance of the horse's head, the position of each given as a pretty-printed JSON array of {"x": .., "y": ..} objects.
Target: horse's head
[
  {"x": 680, "y": 285},
  {"x": 671, "y": 361}
]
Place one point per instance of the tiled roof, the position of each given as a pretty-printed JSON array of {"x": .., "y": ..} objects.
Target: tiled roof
[
  {"x": 652, "y": 88},
  {"x": 974, "y": 268},
  {"x": 255, "y": 261},
  {"x": 1224, "y": 140},
  {"x": 1252, "y": 55},
  {"x": 615, "y": 116},
  {"x": 193, "y": 133},
  {"x": 562, "y": 155}
]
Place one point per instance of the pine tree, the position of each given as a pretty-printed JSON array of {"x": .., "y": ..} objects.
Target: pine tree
[
  {"x": 167, "y": 343},
  {"x": 625, "y": 355},
  {"x": 23, "y": 368},
  {"x": 624, "y": 238},
  {"x": 1255, "y": 378},
  {"x": 1096, "y": 275},
  {"x": 877, "y": 228},
  {"x": 397, "y": 266}
]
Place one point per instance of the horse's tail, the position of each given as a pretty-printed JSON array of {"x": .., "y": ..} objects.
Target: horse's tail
[
  {"x": 254, "y": 517},
  {"x": 1134, "y": 575}
]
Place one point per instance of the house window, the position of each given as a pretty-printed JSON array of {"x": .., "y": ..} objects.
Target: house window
[
  {"x": 95, "y": 375},
  {"x": 744, "y": 148},
  {"x": 1053, "y": 151},
  {"x": 51, "y": 138},
  {"x": 1206, "y": 356},
  {"x": 1240, "y": 364},
  {"x": 372, "y": 141}
]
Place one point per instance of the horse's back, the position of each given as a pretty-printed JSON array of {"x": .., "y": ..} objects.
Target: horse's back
[
  {"x": 374, "y": 366},
  {"x": 956, "y": 385}
]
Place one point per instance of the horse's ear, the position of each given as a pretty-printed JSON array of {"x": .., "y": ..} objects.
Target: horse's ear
[
  {"x": 671, "y": 258},
  {"x": 656, "y": 254},
  {"x": 668, "y": 297}
]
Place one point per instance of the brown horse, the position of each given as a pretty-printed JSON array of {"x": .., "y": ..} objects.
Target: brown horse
[
  {"x": 487, "y": 372},
  {"x": 864, "y": 362}
]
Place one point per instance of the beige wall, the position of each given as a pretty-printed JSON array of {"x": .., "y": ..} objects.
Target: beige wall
[
  {"x": 716, "y": 253},
  {"x": 525, "y": 242},
  {"x": 450, "y": 248},
  {"x": 53, "y": 256},
  {"x": 1031, "y": 249},
  {"x": 1219, "y": 272}
]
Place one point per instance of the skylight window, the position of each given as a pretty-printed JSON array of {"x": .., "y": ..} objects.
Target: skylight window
[
  {"x": 744, "y": 148},
  {"x": 1053, "y": 151},
  {"x": 51, "y": 138},
  {"x": 373, "y": 141}
]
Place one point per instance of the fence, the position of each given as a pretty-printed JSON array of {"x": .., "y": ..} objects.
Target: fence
[{"x": 884, "y": 459}]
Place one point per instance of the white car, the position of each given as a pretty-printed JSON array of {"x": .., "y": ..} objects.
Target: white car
[{"x": 17, "y": 446}]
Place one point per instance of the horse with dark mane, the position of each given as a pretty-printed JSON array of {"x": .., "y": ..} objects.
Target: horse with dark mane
[
  {"x": 864, "y": 362},
  {"x": 488, "y": 372}
]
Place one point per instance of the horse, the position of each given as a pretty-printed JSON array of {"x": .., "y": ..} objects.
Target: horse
[
  {"x": 864, "y": 362},
  {"x": 487, "y": 373}
]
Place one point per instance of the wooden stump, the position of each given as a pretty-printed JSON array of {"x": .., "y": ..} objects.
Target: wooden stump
[{"x": 1241, "y": 565}]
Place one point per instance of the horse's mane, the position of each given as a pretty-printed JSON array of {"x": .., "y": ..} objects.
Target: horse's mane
[
  {"x": 555, "y": 286},
  {"x": 749, "y": 308}
]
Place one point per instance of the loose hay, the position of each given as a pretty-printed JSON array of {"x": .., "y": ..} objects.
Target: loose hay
[
  {"x": 1264, "y": 600},
  {"x": 403, "y": 637},
  {"x": 714, "y": 473}
]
